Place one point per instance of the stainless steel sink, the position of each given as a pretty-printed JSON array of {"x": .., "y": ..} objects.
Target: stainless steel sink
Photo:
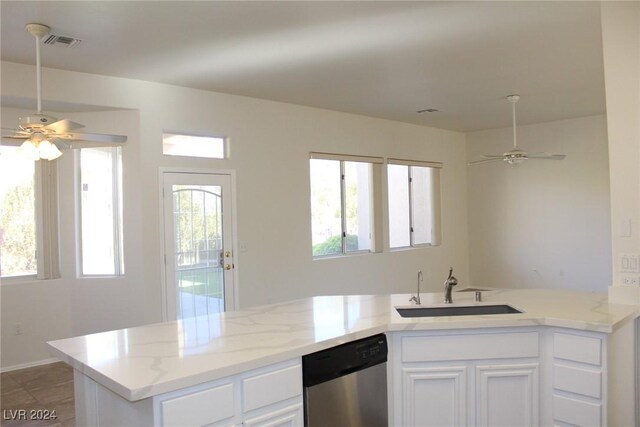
[{"x": 456, "y": 310}]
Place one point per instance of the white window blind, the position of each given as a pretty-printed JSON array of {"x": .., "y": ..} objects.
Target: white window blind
[{"x": 414, "y": 203}]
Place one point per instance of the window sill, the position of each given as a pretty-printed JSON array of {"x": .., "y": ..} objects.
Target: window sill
[
  {"x": 18, "y": 279},
  {"x": 410, "y": 248},
  {"x": 342, "y": 256}
]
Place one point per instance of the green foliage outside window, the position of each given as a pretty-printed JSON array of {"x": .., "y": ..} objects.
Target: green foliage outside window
[
  {"x": 17, "y": 232},
  {"x": 333, "y": 245}
]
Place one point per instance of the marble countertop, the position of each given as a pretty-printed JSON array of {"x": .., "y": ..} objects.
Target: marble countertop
[{"x": 145, "y": 361}]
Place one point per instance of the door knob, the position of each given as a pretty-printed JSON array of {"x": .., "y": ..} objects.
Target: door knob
[{"x": 227, "y": 267}]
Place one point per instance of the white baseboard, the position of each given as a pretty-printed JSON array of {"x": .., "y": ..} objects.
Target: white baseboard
[{"x": 29, "y": 364}]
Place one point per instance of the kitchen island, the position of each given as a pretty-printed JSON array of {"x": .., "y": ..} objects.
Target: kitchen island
[{"x": 246, "y": 363}]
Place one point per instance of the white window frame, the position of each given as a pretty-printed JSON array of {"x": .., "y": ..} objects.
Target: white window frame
[
  {"x": 375, "y": 173},
  {"x": 118, "y": 232},
  {"x": 225, "y": 144},
  {"x": 436, "y": 232}
]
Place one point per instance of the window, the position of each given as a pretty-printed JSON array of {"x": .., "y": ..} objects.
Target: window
[
  {"x": 414, "y": 203},
  {"x": 101, "y": 211},
  {"x": 342, "y": 208},
  {"x": 17, "y": 214},
  {"x": 174, "y": 144}
]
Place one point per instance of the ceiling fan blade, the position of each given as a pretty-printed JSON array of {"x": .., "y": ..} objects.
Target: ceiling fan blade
[
  {"x": 94, "y": 137},
  {"x": 62, "y": 126},
  {"x": 475, "y": 162},
  {"x": 492, "y": 156},
  {"x": 16, "y": 136},
  {"x": 64, "y": 145},
  {"x": 546, "y": 156},
  {"x": 14, "y": 130},
  {"x": 10, "y": 142}
]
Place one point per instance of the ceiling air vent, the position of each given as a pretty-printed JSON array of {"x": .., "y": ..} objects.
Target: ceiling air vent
[{"x": 63, "y": 41}]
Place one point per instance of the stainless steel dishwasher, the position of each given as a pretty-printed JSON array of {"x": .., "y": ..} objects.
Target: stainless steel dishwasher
[{"x": 346, "y": 385}]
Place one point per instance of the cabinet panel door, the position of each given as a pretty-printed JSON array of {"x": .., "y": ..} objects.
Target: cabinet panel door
[
  {"x": 507, "y": 395},
  {"x": 200, "y": 408},
  {"x": 291, "y": 416},
  {"x": 434, "y": 397}
]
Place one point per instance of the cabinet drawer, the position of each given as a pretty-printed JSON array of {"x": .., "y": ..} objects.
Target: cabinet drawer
[
  {"x": 198, "y": 409},
  {"x": 578, "y": 380},
  {"x": 272, "y": 387},
  {"x": 469, "y": 346},
  {"x": 576, "y": 412},
  {"x": 577, "y": 348}
]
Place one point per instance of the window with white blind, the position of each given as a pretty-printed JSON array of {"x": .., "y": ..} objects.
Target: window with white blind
[
  {"x": 414, "y": 203},
  {"x": 100, "y": 173},
  {"x": 28, "y": 217},
  {"x": 343, "y": 203},
  {"x": 17, "y": 215}
]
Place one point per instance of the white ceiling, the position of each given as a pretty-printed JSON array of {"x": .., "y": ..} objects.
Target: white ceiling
[{"x": 379, "y": 58}]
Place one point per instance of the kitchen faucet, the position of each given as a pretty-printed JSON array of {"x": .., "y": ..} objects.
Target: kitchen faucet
[
  {"x": 448, "y": 286},
  {"x": 416, "y": 298}
]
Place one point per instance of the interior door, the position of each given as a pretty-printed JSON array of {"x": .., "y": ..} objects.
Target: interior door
[{"x": 198, "y": 244}]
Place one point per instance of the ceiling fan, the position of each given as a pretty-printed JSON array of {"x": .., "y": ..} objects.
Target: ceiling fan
[
  {"x": 516, "y": 156},
  {"x": 41, "y": 136}
]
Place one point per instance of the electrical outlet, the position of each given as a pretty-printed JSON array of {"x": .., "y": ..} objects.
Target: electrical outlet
[
  {"x": 18, "y": 328},
  {"x": 631, "y": 280},
  {"x": 630, "y": 263}
]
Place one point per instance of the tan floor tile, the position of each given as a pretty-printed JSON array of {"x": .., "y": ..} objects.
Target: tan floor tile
[
  {"x": 7, "y": 384},
  {"x": 42, "y": 376},
  {"x": 17, "y": 399},
  {"x": 47, "y": 387},
  {"x": 53, "y": 394},
  {"x": 55, "y": 415},
  {"x": 64, "y": 410}
]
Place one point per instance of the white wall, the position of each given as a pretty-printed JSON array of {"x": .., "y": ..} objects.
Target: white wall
[
  {"x": 270, "y": 143},
  {"x": 621, "y": 45},
  {"x": 544, "y": 223}
]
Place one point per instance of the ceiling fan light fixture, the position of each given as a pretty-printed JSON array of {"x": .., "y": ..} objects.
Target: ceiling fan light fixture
[
  {"x": 515, "y": 161},
  {"x": 29, "y": 150},
  {"x": 48, "y": 151},
  {"x": 36, "y": 131}
]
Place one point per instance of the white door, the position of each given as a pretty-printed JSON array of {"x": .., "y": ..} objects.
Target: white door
[{"x": 198, "y": 244}]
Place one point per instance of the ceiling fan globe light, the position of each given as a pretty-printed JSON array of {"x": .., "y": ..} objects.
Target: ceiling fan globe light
[
  {"x": 44, "y": 148},
  {"x": 29, "y": 151},
  {"x": 54, "y": 153}
]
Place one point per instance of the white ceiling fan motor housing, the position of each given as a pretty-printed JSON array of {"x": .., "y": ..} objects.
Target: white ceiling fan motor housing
[{"x": 36, "y": 121}]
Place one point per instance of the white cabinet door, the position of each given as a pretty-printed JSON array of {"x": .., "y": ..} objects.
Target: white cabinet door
[
  {"x": 291, "y": 416},
  {"x": 434, "y": 396},
  {"x": 507, "y": 395},
  {"x": 471, "y": 378}
]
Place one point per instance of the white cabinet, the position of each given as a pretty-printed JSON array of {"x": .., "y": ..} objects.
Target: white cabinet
[
  {"x": 465, "y": 378},
  {"x": 291, "y": 416},
  {"x": 578, "y": 377},
  {"x": 265, "y": 397},
  {"x": 507, "y": 395},
  {"x": 434, "y": 396},
  {"x": 200, "y": 408}
]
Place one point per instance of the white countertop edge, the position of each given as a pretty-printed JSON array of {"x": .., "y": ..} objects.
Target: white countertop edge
[{"x": 469, "y": 322}]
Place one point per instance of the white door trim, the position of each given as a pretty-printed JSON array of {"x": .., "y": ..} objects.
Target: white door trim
[{"x": 234, "y": 228}]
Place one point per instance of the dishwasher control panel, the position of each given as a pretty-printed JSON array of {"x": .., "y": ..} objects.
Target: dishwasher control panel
[
  {"x": 343, "y": 359},
  {"x": 372, "y": 349}
]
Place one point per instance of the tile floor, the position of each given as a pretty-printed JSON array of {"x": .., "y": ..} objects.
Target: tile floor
[{"x": 38, "y": 391}]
